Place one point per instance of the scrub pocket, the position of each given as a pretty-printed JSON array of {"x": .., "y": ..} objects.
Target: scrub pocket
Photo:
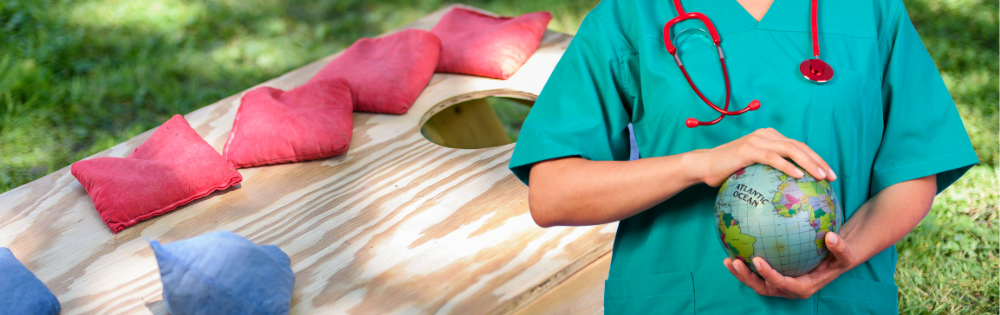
[
  {"x": 853, "y": 296},
  {"x": 838, "y": 117},
  {"x": 664, "y": 293}
]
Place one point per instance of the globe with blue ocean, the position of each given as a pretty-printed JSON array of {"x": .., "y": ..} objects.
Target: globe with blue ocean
[{"x": 763, "y": 212}]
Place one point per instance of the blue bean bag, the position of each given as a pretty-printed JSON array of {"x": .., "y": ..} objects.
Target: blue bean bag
[
  {"x": 20, "y": 291},
  {"x": 224, "y": 273}
]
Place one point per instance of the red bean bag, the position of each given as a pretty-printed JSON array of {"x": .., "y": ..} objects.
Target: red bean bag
[
  {"x": 386, "y": 74},
  {"x": 309, "y": 122},
  {"x": 174, "y": 167},
  {"x": 482, "y": 45}
]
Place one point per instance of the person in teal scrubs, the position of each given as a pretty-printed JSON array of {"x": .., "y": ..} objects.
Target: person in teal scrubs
[{"x": 885, "y": 131}]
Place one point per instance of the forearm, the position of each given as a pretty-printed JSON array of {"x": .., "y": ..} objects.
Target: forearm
[
  {"x": 576, "y": 191},
  {"x": 888, "y": 216}
]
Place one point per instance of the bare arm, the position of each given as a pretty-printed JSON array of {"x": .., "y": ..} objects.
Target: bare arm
[
  {"x": 879, "y": 223},
  {"x": 888, "y": 216},
  {"x": 576, "y": 191}
]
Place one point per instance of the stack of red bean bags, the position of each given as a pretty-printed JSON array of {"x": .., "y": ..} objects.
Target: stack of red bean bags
[{"x": 309, "y": 122}]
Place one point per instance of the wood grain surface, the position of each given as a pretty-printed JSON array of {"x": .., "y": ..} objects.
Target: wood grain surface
[
  {"x": 396, "y": 225},
  {"x": 580, "y": 294}
]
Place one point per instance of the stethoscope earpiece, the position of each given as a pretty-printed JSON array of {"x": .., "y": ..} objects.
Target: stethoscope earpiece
[{"x": 691, "y": 122}]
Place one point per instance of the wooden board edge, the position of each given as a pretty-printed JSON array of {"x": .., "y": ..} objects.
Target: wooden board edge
[
  {"x": 581, "y": 293},
  {"x": 529, "y": 296}
]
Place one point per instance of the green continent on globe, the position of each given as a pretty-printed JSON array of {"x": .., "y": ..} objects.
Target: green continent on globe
[
  {"x": 822, "y": 222},
  {"x": 813, "y": 197},
  {"x": 741, "y": 245},
  {"x": 762, "y": 212},
  {"x": 793, "y": 197}
]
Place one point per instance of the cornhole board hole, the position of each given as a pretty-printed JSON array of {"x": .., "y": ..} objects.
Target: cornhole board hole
[{"x": 398, "y": 224}]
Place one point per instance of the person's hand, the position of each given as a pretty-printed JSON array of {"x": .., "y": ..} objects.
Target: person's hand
[
  {"x": 842, "y": 259},
  {"x": 764, "y": 146}
]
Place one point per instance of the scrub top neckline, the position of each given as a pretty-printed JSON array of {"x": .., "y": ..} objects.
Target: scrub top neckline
[
  {"x": 729, "y": 16},
  {"x": 747, "y": 12}
]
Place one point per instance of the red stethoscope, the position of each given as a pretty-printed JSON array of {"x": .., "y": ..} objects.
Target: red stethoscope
[{"x": 814, "y": 69}]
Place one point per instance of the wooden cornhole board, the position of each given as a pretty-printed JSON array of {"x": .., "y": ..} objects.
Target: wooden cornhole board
[{"x": 396, "y": 225}]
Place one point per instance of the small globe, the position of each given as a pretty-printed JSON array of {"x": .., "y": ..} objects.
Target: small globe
[{"x": 763, "y": 212}]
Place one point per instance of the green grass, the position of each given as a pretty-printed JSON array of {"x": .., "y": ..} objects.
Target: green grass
[
  {"x": 949, "y": 263},
  {"x": 77, "y": 77}
]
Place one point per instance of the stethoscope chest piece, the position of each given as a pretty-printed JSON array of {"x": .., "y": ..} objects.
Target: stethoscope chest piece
[{"x": 816, "y": 70}]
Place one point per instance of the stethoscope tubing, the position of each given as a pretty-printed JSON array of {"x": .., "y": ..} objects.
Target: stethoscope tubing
[
  {"x": 815, "y": 29},
  {"x": 814, "y": 69}
]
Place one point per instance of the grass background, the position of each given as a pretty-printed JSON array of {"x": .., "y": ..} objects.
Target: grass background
[{"x": 77, "y": 77}]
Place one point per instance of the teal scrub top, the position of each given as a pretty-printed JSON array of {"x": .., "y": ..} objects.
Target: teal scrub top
[{"x": 886, "y": 117}]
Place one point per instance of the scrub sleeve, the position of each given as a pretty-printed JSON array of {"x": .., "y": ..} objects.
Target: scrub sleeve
[
  {"x": 924, "y": 134},
  {"x": 580, "y": 111}
]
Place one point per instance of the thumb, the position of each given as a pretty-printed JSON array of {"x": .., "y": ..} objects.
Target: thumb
[{"x": 840, "y": 249}]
